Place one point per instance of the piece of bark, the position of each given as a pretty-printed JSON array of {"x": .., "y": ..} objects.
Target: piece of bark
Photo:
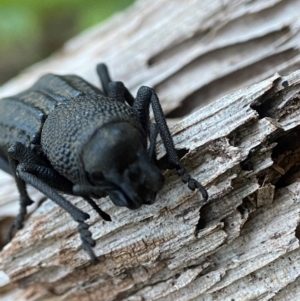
[{"x": 244, "y": 148}]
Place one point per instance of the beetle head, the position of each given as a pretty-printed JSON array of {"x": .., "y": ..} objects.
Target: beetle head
[{"x": 116, "y": 161}]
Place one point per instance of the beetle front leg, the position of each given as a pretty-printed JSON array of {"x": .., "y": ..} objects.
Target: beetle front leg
[
  {"x": 153, "y": 133},
  {"x": 145, "y": 96}
]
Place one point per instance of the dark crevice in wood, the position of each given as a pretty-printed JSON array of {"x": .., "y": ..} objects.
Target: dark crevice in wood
[
  {"x": 236, "y": 137},
  {"x": 246, "y": 165},
  {"x": 287, "y": 143},
  {"x": 248, "y": 203},
  {"x": 182, "y": 152},
  {"x": 4, "y": 227},
  {"x": 242, "y": 209},
  {"x": 286, "y": 157},
  {"x": 270, "y": 105},
  {"x": 297, "y": 231},
  {"x": 203, "y": 221},
  {"x": 261, "y": 109},
  {"x": 288, "y": 177}
]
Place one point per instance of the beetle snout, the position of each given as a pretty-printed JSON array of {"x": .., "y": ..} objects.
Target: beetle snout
[{"x": 132, "y": 191}]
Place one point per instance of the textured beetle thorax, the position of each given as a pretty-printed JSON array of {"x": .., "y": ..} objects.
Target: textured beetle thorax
[{"x": 72, "y": 126}]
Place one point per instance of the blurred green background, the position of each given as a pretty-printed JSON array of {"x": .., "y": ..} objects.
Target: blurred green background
[{"x": 31, "y": 30}]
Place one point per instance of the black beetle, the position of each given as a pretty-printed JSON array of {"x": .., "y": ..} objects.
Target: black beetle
[{"x": 64, "y": 134}]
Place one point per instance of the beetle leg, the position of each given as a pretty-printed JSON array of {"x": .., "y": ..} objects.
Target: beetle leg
[
  {"x": 103, "y": 214},
  {"x": 116, "y": 90},
  {"x": 19, "y": 153},
  {"x": 56, "y": 181},
  {"x": 153, "y": 132},
  {"x": 24, "y": 202},
  {"x": 46, "y": 173},
  {"x": 79, "y": 216},
  {"x": 106, "y": 80},
  {"x": 145, "y": 96},
  {"x": 29, "y": 168},
  {"x": 24, "y": 198},
  {"x": 104, "y": 77},
  {"x": 141, "y": 106}
]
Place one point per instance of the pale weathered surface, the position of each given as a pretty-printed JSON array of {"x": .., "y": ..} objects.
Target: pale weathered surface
[{"x": 244, "y": 148}]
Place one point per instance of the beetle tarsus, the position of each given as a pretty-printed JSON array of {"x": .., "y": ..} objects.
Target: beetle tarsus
[
  {"x": 18, "y": 222},
  {"x": 192, "y": 183},
  {"x": 87, "y": 241}
]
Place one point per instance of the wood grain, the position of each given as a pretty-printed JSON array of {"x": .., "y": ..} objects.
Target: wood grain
[{"x": 238, "y": 138}]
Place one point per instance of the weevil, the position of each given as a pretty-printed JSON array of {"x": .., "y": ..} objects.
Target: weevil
[{"x": 64, "y": 135}]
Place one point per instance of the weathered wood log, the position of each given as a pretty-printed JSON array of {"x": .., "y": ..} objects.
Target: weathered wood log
[{"x": 244, "y": 243}]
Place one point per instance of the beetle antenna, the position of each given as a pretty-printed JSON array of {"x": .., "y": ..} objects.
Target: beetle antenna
[{"x": 103, "y": 214}]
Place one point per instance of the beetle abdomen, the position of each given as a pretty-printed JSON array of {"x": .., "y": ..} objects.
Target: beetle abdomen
[
  {"x": 64, "y": 87},
  {"x": 19, "y": 122}
]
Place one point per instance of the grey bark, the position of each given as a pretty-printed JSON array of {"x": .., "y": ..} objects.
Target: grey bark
[{"x": 243, "y": 146}]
